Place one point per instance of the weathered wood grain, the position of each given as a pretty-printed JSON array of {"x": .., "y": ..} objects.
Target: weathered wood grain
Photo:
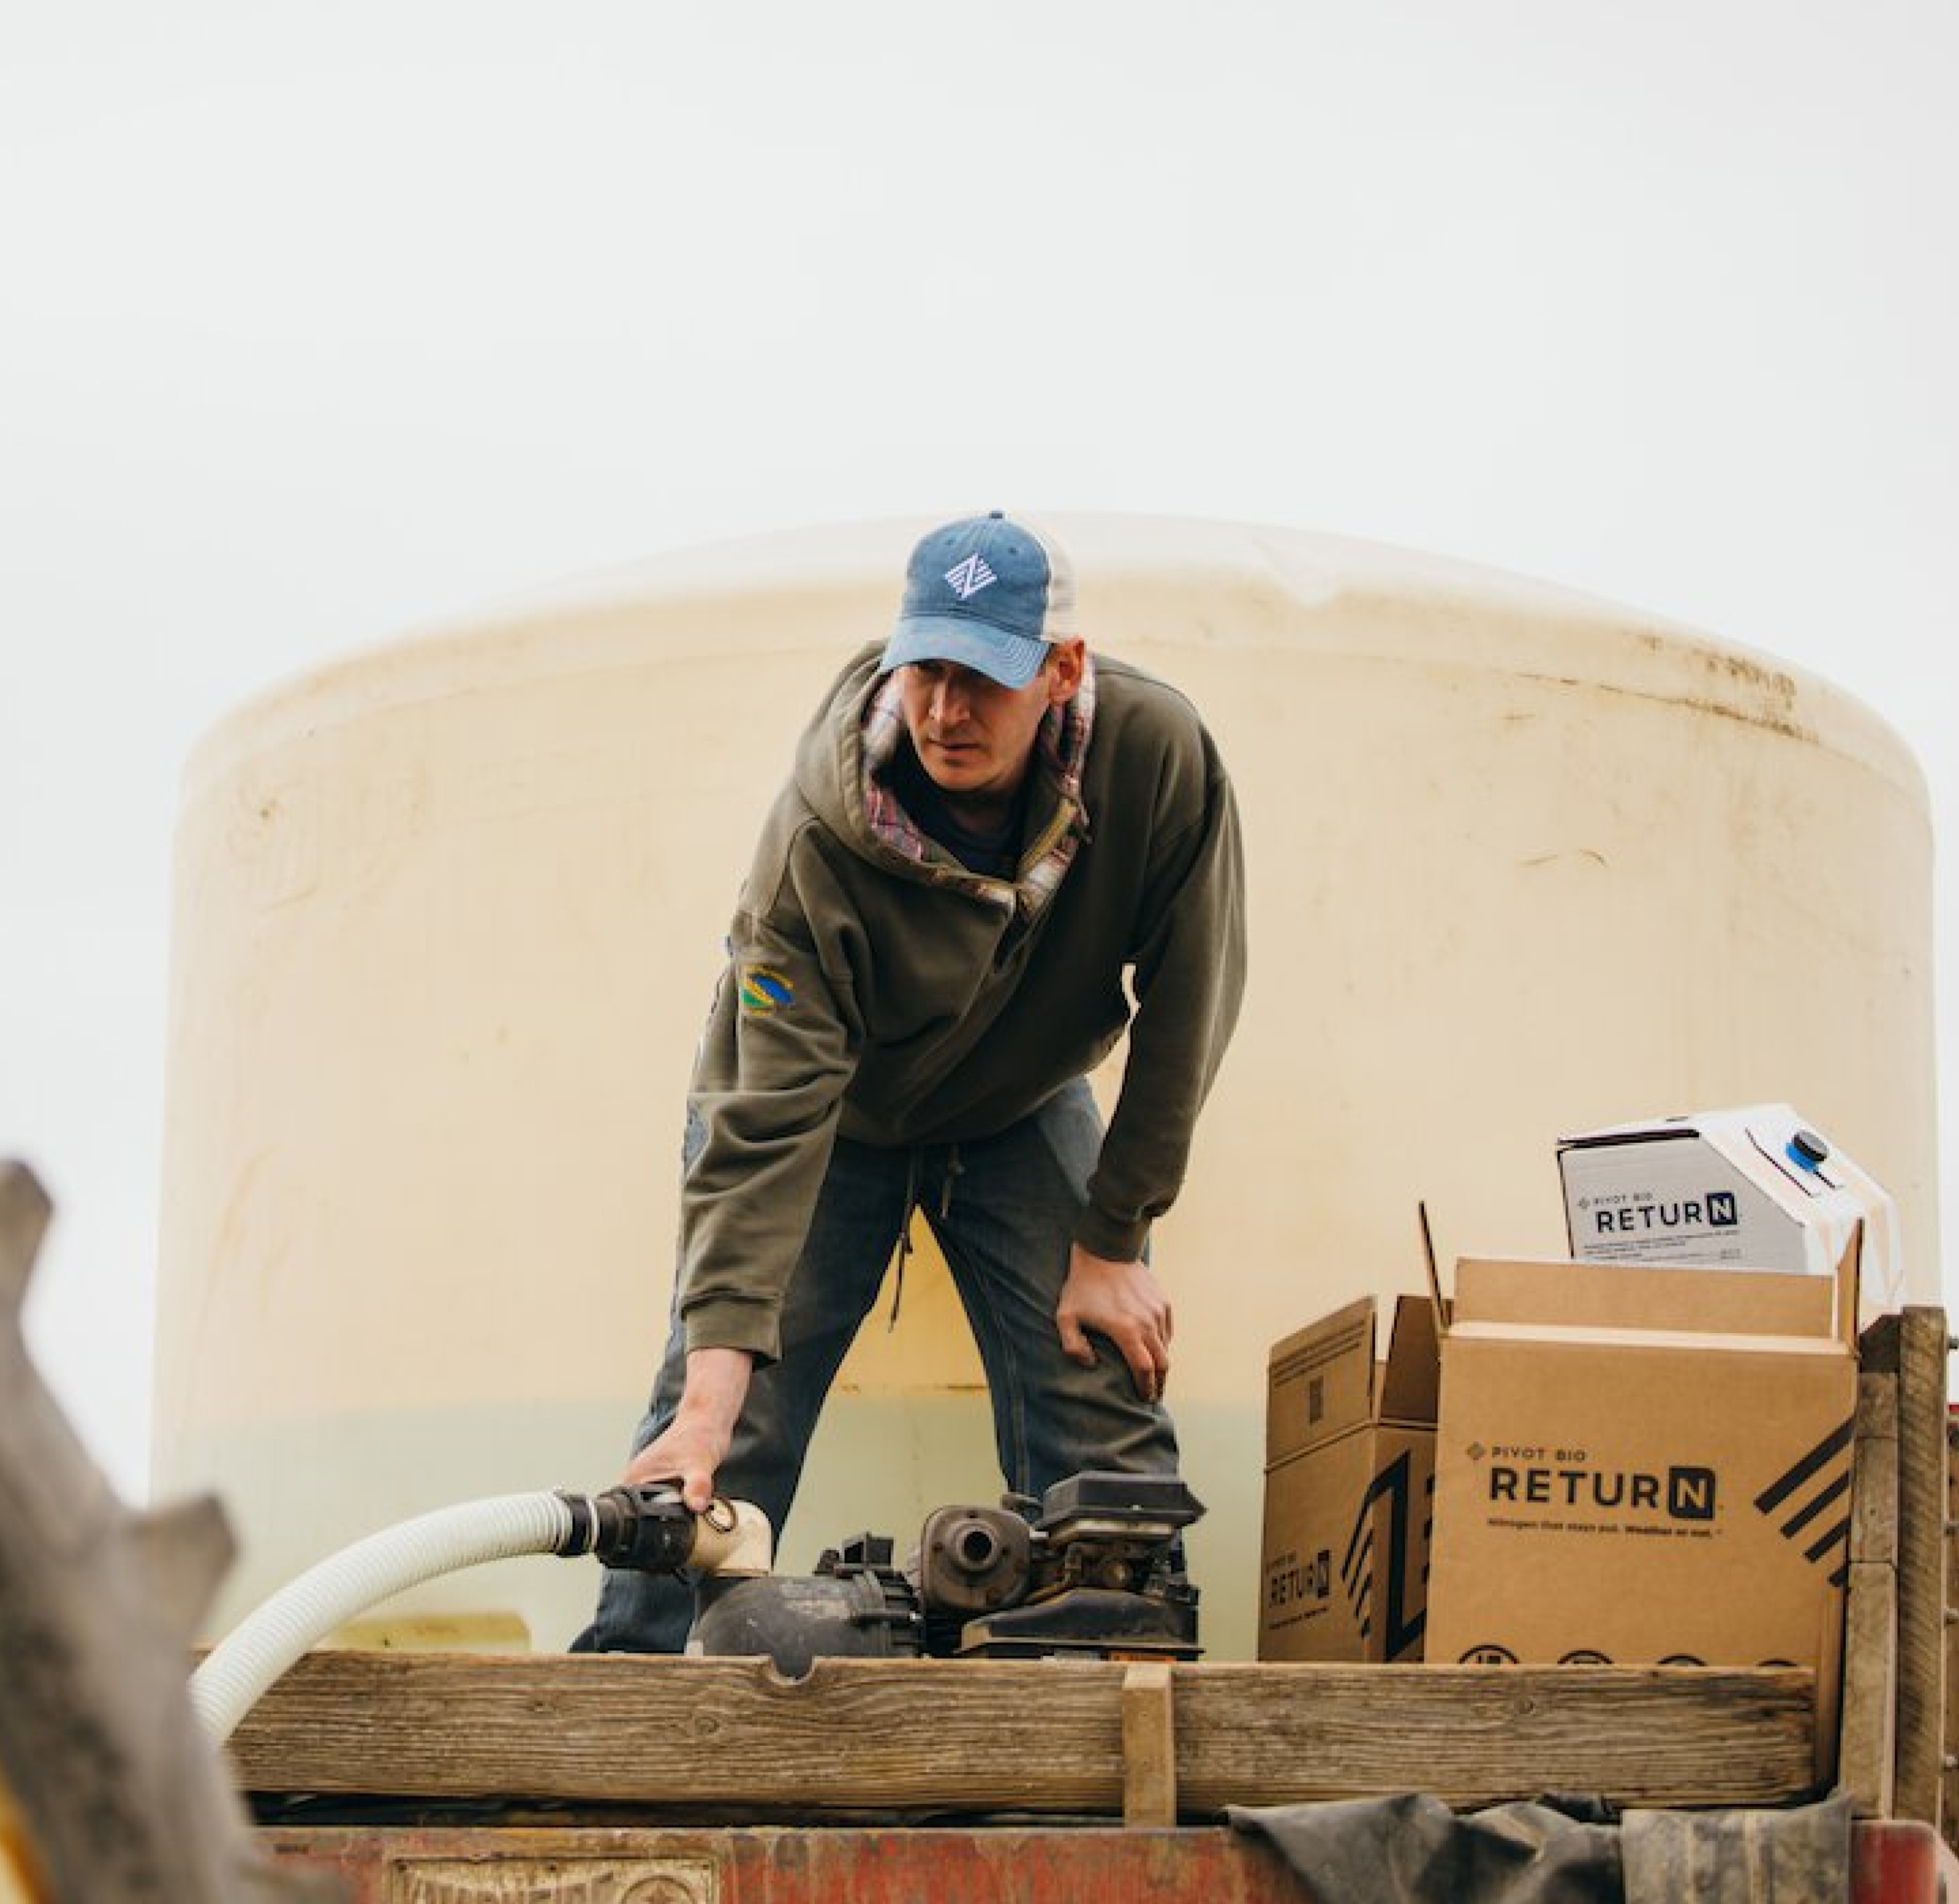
[
  {"x": 1867, "y": 1740},
  {"x": 1874, "y": 1498},
  {"x": 1949, "y": 1785},
  {"x": 1922, "y": 1492},
  {"x": 112, "y": 1792},
  {"x": 1473, "y": 1735},
  {"x": 1042, "y": 1736},
  {"x": 1149, "y": 1745},
  {"x": 1867, "y": 1746}
]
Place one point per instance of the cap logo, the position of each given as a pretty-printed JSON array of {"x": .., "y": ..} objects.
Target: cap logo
[{"x": 966, "y": 578}]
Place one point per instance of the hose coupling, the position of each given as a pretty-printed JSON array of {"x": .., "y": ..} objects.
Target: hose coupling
[{"x": 649, "y": 1528}]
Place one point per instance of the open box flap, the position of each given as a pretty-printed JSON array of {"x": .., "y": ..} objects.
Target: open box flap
[
  {"x": 1695, "y": 1301},
  {"x": 1413, "y": 1373}
]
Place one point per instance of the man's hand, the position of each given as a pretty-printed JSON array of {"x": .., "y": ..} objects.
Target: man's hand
[
  {"x": 695, "y": 1443},
  {"x": 1124, "y": 1301}
]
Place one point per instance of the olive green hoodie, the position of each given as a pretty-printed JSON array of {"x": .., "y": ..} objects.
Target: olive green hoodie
[{"x": 900, "y": 1000}]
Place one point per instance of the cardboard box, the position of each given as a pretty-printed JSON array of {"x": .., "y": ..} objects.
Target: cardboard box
[
  {"x": 1751, "y": 1189},
  {"x": 1350, "y": 1455},
  {"x": 1642, "y": 1469}
]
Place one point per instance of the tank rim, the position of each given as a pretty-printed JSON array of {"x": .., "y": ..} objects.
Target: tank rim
[{"x": 1307, "y": 590}]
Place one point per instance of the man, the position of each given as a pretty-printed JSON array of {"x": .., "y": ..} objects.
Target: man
[{"x": 985, "y": 830}]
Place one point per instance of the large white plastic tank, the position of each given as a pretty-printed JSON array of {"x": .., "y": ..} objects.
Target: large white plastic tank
[{"x": 448, "y": 914}]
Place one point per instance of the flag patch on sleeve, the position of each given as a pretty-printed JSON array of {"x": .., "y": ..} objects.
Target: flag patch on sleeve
[{"x": 764, "y": 990}]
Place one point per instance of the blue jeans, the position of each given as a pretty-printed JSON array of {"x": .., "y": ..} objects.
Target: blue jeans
[{"x": 1003, "y": 1210}]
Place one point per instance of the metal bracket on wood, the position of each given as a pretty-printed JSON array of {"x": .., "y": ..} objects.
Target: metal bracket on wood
[{"x": 1149, "y": 1745}]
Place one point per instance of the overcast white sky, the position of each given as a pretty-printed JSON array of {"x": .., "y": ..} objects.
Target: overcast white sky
[{"x": 317, "y": 322}]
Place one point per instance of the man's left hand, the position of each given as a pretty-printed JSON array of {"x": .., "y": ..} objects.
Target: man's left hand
[{"x": 1125, "y": 1302}]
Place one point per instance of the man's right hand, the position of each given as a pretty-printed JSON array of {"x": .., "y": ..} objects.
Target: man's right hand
[
  {"x": 695, "y": 1443},
  {"x": 1124, "y": 1301}
]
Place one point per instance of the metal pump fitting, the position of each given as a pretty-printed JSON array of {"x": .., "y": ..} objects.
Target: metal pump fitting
[{"x": 649, "y": 1528}]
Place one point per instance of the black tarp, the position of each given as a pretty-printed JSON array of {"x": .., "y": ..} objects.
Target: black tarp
[{"x": 1414, "y": 1849}]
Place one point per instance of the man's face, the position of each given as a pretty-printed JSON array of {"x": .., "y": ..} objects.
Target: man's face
[{"x": 973, "y": 737}]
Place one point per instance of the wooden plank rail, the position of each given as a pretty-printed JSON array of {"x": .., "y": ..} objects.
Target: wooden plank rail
[
  {"x": 1911, "y": 1346},
  {"x": 1949, "y": 1787},
  {"x": 1149, "y": 1745},
  {"x": 1867, "y": 1746},
  {"x": 944, "y": 1736},
  {"x": 1921, "y": 1419}
]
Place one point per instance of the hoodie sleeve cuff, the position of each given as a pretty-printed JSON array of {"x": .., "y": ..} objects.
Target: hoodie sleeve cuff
[
  {"x": 1103, "y": 1235},
  {"x": 726, "y": 1323}
]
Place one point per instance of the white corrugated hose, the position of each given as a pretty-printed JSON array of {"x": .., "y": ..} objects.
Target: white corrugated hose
[{"x": 235, "y": 1674}]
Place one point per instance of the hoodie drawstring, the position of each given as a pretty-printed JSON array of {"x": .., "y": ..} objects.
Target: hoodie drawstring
[
  {"x": 912, "y": 1160},
  {"x": 914, "y": 1170}
]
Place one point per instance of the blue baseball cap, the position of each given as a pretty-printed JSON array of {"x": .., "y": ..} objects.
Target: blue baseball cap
[{"x": 987, "y": 593}]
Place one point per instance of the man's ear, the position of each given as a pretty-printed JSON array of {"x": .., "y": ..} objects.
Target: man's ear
[{"x": 1064, "y": 670}]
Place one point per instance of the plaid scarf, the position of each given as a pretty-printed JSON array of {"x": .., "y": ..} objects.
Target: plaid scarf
[{"x": 1061, "y": 750}]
